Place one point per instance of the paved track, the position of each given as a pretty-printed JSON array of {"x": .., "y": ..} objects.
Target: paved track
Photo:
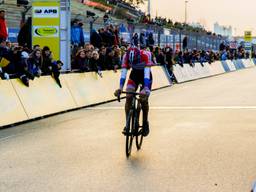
[{"x": 203, "y": 139}]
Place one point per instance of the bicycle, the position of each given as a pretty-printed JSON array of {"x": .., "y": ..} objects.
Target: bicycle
[{"x": 133, "y": 124}]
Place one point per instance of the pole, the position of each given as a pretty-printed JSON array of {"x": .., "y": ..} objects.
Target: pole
[
  {"x": 149, "y": 7},
  {"x": 186, "y": 14}
]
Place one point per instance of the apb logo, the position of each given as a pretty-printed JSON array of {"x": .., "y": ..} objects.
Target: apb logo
[{"x": 46, "y": 12}]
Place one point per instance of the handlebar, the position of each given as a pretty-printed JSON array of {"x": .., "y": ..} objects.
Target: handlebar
[{"x": 131, "y": 93}]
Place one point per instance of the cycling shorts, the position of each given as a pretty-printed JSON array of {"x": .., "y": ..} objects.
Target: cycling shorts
[{"x": 137, "y": 78}]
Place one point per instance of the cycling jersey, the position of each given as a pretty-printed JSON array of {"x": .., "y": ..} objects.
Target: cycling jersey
[
  {"x": 140, "y": 62},
  {"x": 145, "y": 60}
]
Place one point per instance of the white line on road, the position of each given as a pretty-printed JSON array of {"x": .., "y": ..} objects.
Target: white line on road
[{"x": 183, "y": 108}]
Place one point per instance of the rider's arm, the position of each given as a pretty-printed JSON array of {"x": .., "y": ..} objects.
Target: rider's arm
[
  {"x": 147, "y": 70},
  {"x": 124, "y": 71},
  {"x": 147, "y": 81}
]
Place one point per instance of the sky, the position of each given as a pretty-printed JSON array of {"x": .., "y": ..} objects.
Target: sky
[{"x": 241, "y": 15}]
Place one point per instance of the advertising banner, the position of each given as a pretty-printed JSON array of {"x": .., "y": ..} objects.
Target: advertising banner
[
  {"x": 247, "y": 36},
  {"x": 46, "y": 25}
]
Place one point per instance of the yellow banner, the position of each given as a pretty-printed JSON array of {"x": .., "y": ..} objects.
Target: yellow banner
[
  {"x": 247, "y": 36},
  {"x": 46, "y": 25}
]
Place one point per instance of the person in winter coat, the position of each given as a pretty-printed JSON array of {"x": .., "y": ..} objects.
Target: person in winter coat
[
  {"x": 102, "y": 59},
  {"x": 47, "y": 61},
  {"x": 56, "y": 67},
  {"x": 3, "y": 26},
  {"x": 95, "y": 63},
  {"x": 143, "y": 42},
  {"x": 24, "y": 36},
  {"x": 150, "y": 40},
  {"x": 82, "y": 61},
  {"x": 135, "y": 39},
  {"x": 77, "y": 34},
  {"x": 96, "y": 39},
  {"x": 110, "y": 59},
  {"x": 35, "y": 63}
]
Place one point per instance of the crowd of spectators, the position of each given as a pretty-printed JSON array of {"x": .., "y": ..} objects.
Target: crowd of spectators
[
  {"x": 106, "y": 50},
  {"x": 25, "y": 64},
  {"x": 103, "y": 53}
]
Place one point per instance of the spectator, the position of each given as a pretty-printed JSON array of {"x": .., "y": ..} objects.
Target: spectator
[
  {"x": 7, "y": 67},
  {"x": 56, "y": 67},
  {"x": 117, "y": 58},
  {"x": 36, "y": 47},
  {"x": 82, "y": 61},
  {"x": 135, "y": 39},
  {"x": 143, "y": 42},
  {"x": 185, "y": 43},
  {"x": 117, "y": 38},
  {"x": 95, "y": 62},
  {"x": 150, "y": 40},
  {"x": 77, "y": 34},
  {"x": 110, "y": 59},
  {"x": 96, "y": 39},
  {"x": 24, "y": 37},
  {"x": 106, "y": 19},
  {"x": 161, "y": 58},
  {"x": 22, "y": 69},
  {"x": 102, "y": 58},
  {"x": 3, "y": 26},
  {"x": 47, "y": 61},
  {"x": 35, "y": 63}
]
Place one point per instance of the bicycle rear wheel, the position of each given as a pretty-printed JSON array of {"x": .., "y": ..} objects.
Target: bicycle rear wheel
[
  {"x": 138, "y": 122},
  {"x": 129, "y": 133}
]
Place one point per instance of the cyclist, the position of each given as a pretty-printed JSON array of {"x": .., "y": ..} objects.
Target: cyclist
[{"x": 139, "y": 60}]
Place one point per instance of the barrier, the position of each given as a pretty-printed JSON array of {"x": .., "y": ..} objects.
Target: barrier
[
  {"x": 11, "y": 108},
  {"x": 205, "y": 70},
  {"x": 187, "y": 72},
  {"x": 160, "y": 78},
  {"x": 216, "y": 68},
  {"x": 238, "y": 64},
  {"x": 254, "y": 61},
  {"x": 225, "y": 66},
  {"x": 44, "y": 96},
  {"x": 246, "y": 63},
  {"x": 178, "y": 72},
  {"x": 82, "y": 85},
  {"x": 198, "y": 70},
  {"x": 231, "y": 65}
]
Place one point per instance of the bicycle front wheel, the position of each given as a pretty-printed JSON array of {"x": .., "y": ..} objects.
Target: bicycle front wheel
[
  {"x": 138, "y": 122},
  {"x": 129, "y": 133}
]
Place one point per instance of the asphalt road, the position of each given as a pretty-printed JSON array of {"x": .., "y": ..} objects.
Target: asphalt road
[{"x": 202, "y": 139}]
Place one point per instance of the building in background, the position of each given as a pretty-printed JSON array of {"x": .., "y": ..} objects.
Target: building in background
[
  {"x": 226, "y": 31},
  {"x": 196, "y": 25}
]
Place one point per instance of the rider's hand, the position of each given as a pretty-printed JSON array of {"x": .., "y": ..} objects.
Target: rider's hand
[
  {"x": 145, "y": 92},
  {"x": 118, "y": 92}
]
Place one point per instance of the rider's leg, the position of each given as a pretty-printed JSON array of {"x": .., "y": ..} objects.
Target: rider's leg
[
  {"x": 131, "y": 87},
  {"x": 145, "y": 108},
  {"x": 128, "y": 103}
]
